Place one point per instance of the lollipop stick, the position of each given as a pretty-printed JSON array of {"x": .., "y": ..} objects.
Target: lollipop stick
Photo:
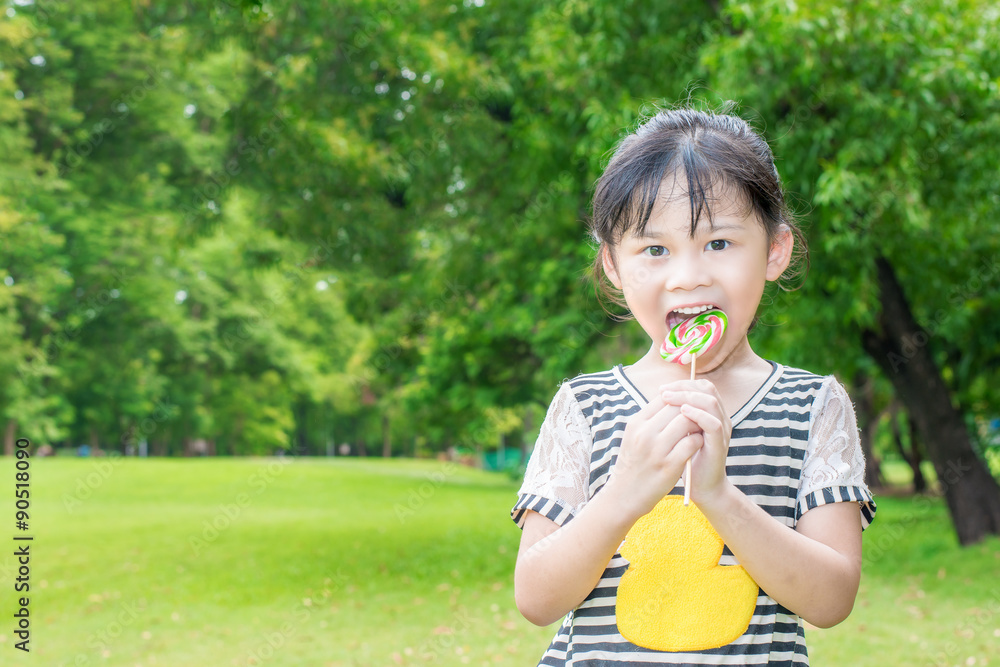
[{"x": 687, "y": 466}]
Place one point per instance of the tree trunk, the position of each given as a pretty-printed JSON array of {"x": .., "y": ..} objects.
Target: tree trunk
[
  {"x": 911, "y": 456},
  {"x": 237, "y": 434},
  {"x": 386, "y": 440},
  {"x": 867, "y": 419},
  {"x": 159, "y": 447},
  {"x": 916, "y": 454},
  {"x": 8, "y": 437},
  {"x": 899, "y": 346},
  {"x": 302, "y": 430}
]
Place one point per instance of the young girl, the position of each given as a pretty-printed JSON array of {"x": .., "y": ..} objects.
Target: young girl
[{"x": 690, "y": 215}]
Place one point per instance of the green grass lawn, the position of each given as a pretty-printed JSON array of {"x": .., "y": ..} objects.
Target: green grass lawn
[{"x": 368, "y": 562}]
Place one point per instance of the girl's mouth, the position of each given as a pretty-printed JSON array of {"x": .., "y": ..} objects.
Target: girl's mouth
[{"x": 678, "y": 315}]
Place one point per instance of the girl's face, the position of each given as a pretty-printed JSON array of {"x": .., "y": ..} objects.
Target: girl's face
[{"x": 667, "y": 275}]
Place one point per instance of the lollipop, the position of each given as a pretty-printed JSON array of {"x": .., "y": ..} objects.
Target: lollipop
[
  {"x": 694, "y": 337},
  {"x": 684, "y": 344}
]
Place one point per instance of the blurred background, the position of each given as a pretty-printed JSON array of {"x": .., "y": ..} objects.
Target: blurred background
[{"x": 287, "y": 287}]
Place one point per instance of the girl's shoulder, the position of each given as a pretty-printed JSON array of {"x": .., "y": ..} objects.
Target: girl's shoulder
[
  {"x": 800, "y": 379},
  {"x": 799, "y": 374},
  {"x": 808, "y": 389},
  {"x": 594, "y": 381},
  {"x": 593, "y": 390}
]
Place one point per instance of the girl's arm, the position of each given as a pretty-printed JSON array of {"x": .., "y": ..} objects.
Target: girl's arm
[
  {"x": 557, "y": 567},
  {"x": 814, "y": 569}
]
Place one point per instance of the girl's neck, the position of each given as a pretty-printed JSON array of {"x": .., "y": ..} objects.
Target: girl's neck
[{"x": 737, "y": 376}]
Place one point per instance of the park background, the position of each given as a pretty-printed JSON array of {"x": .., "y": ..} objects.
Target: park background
[{"x": 241, "y": 239}]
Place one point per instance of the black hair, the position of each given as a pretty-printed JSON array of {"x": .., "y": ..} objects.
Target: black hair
[{"x": 703, "y": 150}]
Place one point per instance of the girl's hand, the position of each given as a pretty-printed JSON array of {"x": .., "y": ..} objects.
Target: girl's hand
[
  {"x": 699, "y": 401},
  {"x": 658, "y": 440}
]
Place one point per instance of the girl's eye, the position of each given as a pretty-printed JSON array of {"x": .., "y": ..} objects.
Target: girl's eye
[
  {"x": 718, "y": 244},
  {"x": 656, "y": 251}
]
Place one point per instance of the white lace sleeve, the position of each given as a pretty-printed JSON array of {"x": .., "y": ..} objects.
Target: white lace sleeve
[
  {"x": 556, "y": 480},
  {"x": 834, "y": 466}
]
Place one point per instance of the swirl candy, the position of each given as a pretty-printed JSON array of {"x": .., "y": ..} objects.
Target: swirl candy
[
  {"x": 684, "y": 344},
  {"x": 694, "y": 337}
]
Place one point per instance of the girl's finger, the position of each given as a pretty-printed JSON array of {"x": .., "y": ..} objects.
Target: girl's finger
[
  {"x": 656, "y": 415},
  {"x": 685, "y": 449},
  {"x": 702, "y": 402},
  {"x": 679, "y": 427},
  {"x": 696, "y": 398},
  {"x": 712, "y": 426},
  {"x": 640, "y": 420},
  {"x": 654, "y": 405},
  {"x": 700, "y": 386}
]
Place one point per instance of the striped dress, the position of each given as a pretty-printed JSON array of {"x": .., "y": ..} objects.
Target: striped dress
[{"x": 788, "y": 453}]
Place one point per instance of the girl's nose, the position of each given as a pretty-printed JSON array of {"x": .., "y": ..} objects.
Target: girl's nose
[{"x": 687, "y": 271}]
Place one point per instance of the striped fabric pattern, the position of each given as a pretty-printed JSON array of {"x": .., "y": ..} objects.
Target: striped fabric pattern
[{"x": 767, "y": 450}]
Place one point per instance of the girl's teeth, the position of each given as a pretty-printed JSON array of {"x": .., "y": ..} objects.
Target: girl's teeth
[{"x": 693, "y": 311}]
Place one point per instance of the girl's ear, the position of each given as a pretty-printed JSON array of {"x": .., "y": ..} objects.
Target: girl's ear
[
  {"x": 780, "y": 254},
  {"x": 609, "y": 267}
]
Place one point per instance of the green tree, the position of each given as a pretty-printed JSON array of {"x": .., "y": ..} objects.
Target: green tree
[
  {"x": 884, "y": 122},
  {"x": 135, "y": 317},
  {"x": 270, "y": 226},
  {"x": 32, "y": 270}
]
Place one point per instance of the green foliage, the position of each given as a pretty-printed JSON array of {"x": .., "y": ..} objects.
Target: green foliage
[
  {"x": 179, "y": 180},
  {"x": 885, "y": 133}
]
